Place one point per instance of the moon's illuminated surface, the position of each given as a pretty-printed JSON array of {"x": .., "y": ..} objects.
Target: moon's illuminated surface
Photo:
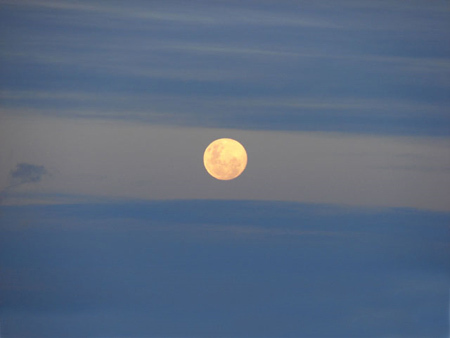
[{"x": 225, "y": 159}]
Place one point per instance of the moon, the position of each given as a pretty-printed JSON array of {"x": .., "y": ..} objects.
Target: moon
[{"x": 225, "y": 159}]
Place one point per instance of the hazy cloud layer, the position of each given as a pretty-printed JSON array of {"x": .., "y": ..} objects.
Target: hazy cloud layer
[{"x": 129, "y": 160}]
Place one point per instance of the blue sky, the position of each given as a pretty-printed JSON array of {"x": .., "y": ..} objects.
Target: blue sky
[
  {"x": 204, "y": 268},
  {"x": 111, "y": 226}
]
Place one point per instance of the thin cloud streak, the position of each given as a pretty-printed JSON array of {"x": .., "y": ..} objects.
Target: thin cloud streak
[
  {"x": 360, "y": 104},
  {"x": 215, "y": 17},
  {"x": 50, "y": 101},
  {"x": 402, "y": 63},
  {"x": 207, "y": 14},
  {"x": 353, "y": 115}
]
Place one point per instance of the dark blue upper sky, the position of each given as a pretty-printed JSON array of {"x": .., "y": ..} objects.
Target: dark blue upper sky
[
  {"x": 111, "y": 227},
  {"x": 354, "y": 66}
]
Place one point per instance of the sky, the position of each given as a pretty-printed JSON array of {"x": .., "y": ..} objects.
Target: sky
[{"x": 110, "y": 225}]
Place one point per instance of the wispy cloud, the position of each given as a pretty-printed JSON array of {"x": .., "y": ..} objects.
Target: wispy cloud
[
  {"x": 175, "y": 60},
  {"x": 25, "y": 173},
  {"x": 392, "y": 5},
  {"x": 352, "y": 114},
  {"x": 152, "y": 50},
  {"x": 207, "y": 13},
  {"x": 358, "y": 105},
  {"x": 199, "y": 15}
]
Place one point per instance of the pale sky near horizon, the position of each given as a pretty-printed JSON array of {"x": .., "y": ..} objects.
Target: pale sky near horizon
[
  {"x": 111, "y": 226},
  {"x": 128, "y": 160}
]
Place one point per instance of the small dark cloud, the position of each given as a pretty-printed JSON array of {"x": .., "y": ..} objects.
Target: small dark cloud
[
  {"x": 24, "y": 173},
  {"x": 27, "y": 173}
]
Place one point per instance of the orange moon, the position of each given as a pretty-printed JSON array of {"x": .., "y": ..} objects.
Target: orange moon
[{"x": 225, "y": 159}]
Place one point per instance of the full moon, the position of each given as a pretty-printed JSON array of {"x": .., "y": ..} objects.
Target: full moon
[{"x": 225, "y": 159}]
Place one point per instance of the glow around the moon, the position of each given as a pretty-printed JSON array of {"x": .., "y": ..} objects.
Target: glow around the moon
[{"x": 225, "y": 159}]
